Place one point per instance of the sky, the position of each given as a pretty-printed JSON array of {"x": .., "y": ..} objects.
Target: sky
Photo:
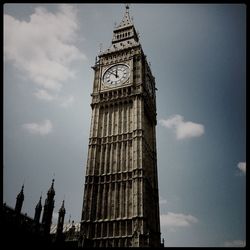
[{"x": 197, "y": 54}]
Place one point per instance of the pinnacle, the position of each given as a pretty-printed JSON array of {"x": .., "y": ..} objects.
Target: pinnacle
[{"x": 126, "y": 21}]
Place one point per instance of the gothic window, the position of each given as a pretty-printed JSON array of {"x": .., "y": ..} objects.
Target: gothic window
[
  {"x": 129, "y": 227},
  {"x": 119, "y": 177},
  {"x": 93, "y": 230},
  {"x": 117, "y": 200},
  {"x": 98, "y": 243},
  {"x": 98, "y": 230},
  {"x": 110, "y": 228},
  {"x": 124, "y": 195},
  {"x": 129, "y": 243},
  {"x": 123, "y": 228},
  {"x": 122, "y": 242},
  {"x": 130, "y": 199},
  {"x": 104, "y": 230},
  {"x": 112, "y": 200}
]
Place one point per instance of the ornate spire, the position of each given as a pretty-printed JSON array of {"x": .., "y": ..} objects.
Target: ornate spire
[
  {"x": 126, "y": 21},
  {"x": 60, "y": 222},
  {"x": 39, "y": 204},
  {"x": 38, "y": 210},
  {"x": 51, "y": 190},
  {"x": 19, "y": 201},
  {"x": 127, "y": 8},
  {"x": 21, "y": 192},
  {"x": 62, "y": 209},
  {"x": 48, "y": 210},
  {"x": 124, "y": 35}
]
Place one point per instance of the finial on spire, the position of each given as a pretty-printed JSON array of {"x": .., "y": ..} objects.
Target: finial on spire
[
  {"x": 127, "y": 7},
  {"x": 39, "y": 204},
  {"x": 51, "y": 191},
  {"x": 62, "y": 208}
]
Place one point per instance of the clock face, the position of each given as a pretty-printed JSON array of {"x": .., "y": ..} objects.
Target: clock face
[{"x": 116, "y": 74}]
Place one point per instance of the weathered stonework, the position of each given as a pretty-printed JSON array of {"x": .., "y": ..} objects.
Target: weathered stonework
[{"x": 121, "y": 202}]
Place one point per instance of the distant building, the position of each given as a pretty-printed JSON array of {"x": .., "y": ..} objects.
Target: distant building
[
  {"x": 22, "y": 230},
  {"x": 71, "y": 232}
]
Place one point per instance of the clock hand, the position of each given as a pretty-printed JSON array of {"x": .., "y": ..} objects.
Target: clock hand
[
  {"x": 112, "y": 73},
  {"x": 116, "y": 73}
]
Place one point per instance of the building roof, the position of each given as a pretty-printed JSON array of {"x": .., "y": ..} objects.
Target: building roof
[
  {"x": 119, "y": 46},
  {"x": 126, "y": 21}
]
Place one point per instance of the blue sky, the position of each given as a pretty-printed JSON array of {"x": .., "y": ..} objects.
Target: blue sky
[{"x": 198, "y": 57}]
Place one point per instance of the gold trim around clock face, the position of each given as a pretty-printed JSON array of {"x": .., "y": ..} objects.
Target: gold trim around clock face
[{"x": 116, "y": 74}]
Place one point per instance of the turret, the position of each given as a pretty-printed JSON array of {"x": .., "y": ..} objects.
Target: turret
[
  {"x": 19, "y": 201},
  {"x": 60, "y": 222},
  {"x": 38, "y": 211},
  {"x": 48, "y": 210}
]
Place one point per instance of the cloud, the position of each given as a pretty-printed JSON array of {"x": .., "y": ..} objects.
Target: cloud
[
  {"x": 173, "y": 220},
  {"x": 68, "y": 101},
  {"x": 44, "y": 95},
  {"x": 43, "y": 128},
  {"x": 235, "y": 243},
  {"x": 43, "y": 48},
  {"x": 242, "y": 167},
  {"x": 183, "y": 129}
]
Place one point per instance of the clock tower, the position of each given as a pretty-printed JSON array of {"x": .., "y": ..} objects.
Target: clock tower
[{"x": 121, "y": 196}]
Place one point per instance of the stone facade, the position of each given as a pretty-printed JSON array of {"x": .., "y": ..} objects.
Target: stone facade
[{"x": 121, "y": 201}]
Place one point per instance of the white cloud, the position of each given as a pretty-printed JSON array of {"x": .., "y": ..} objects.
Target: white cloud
[
  {"x": 43, "y": 128},
  {"x": 68, "y": 101},
  {"x": 235, "y": 243},
  {"x": 242, "y": 167},
  {"x": 43, "y": 48},
  {"x": 182, "y": 128},
  {"x": 44, "y": 95},
  {"x": 173, "y": 220}
]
